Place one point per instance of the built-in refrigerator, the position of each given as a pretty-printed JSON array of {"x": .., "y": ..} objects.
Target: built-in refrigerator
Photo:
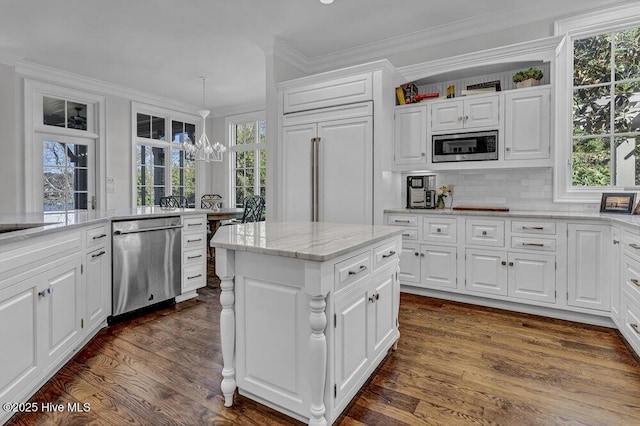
[{"x": 327, "y": 157}]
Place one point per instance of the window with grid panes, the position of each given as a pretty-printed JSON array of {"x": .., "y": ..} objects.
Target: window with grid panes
[{"x": 248, "y": 158}]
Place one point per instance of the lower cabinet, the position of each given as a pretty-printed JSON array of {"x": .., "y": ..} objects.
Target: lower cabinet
[
  {"x": 429, "y": 266},
  {"x": 97, "y": 287},
  {"x": 588, "y": 264}
]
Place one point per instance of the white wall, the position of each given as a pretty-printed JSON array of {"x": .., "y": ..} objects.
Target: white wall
[
  {"x": 10, "y": 188},
  {"x": 118, "y": 143}
]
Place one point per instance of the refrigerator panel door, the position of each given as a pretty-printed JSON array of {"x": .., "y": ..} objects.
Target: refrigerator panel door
[
  {"x": 297, "y": 175},
  {"x": 346, "y": 171}
]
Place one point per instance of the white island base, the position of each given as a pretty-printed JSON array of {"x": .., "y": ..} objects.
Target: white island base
[{"x": 307, "y": 317}]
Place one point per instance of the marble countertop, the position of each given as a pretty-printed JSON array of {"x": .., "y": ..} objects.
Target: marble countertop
[
  {"x": 38, "y": 224},
  {"x": 318, "y": 241},
  {"x": 615, "y": 218}
]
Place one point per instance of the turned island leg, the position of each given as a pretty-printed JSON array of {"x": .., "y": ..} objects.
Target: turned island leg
[
  {"x": 317, "y": 359},
  {"x": 225, "y": 267}
]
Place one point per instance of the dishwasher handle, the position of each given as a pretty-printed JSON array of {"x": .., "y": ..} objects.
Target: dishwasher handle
[{"x": 137, "y": 231}]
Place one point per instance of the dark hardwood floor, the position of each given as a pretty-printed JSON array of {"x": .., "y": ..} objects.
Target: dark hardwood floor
[{"x": 455, "y": 364}]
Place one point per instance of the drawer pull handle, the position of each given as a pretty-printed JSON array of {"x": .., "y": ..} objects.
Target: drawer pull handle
[
  {"x": 402, "y": 221},
  {"x": 93, "y": 256},
  {"x": 635, "y": 327},
  {"x": 194, "y": 224},
  {"x": 362, "y": 268},
  {"x": 97, "y": 237},
  {"x": 406, "y": 235},
  {"x": 46, "y": 292},
  {"x": 194, "y": 257},
  {"x": 194, "y": 241},
  {"x": 635, "y": 282},
  {"x": 194, "y": 277},
  {"x": 533, "y": 244},
  {"x": 634, "y": 245},
  {"x": 391, "y": 253},
  {"x": 534, "y": 228}
]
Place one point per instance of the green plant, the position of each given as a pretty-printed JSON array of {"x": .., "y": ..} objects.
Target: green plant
[{"x": 533, "y": 73}]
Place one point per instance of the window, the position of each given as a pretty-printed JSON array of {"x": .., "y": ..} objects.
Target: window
[
  {"x": 597, "y": 104},
  {"x": 606, "y": 109},
  {"x": 248, "y": 158},
  {"x": 163, "y": 167}
]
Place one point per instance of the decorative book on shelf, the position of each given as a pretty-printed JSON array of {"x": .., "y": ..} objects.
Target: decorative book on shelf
[{"x": 493, "y": 86}]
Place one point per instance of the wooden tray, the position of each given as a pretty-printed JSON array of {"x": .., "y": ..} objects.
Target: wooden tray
[{"x": 482, "y": 209}]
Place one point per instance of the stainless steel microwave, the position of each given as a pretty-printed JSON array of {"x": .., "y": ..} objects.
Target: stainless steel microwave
[{"x": 472, "y": 146}]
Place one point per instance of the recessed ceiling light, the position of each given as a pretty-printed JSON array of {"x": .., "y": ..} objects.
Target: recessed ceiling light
[{"x": 326, "y": 1}]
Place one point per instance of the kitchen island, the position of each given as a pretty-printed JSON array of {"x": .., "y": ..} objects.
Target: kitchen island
[{"x": 309, "y": 310}]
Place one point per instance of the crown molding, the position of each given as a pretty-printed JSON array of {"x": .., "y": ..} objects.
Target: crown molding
[
  {"x": 585, "y": 23},
  {"x": 292, "y": 56},
  {"x": 76, "y": 81},
  {"x": 542, "y": 49},
  {"x": 222, "y": 112}
]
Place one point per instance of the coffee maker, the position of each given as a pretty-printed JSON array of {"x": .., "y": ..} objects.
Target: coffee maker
[{"x": 421, "y": 192}]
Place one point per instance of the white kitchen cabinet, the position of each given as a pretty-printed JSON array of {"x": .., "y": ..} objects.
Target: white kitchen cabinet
[
  {"x": 469, "y": 113},
  {"x": 97, "y": 282},
  {"x": 322, "y": 94},
  {"x": 410, "y": 263},
  {"x": 410, "y": 135},
  {"x": 617, "y": 278},
  {"x": 194, "y": 255},
  {"x": 486, "y": 272},
  {"x": 589, "y": 266},
  {"x": 344, "y": 150},
  {"x": 532, "y": 276},
  {"x": 438, "y": 266},
  {"x": 526, "y": 124}
]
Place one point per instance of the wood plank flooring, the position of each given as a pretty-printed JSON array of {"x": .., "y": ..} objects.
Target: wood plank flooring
[{"x": 456, "y": 364}]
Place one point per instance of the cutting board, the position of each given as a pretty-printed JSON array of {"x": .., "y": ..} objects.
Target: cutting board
[{"x": 482, "y": 209}]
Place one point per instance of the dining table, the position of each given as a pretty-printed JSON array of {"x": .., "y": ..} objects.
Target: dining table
[{"x": 215, "y": 216}]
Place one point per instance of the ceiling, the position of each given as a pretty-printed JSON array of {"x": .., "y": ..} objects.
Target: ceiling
[{"x": 162, "y": 47}]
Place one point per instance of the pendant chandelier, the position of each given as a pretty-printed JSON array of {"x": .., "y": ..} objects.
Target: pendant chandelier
[{"x": 202, "y": 150}]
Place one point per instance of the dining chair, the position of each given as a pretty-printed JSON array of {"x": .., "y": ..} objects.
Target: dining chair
[
  {"x": 210, "y": 201},
  {"x": 253, "y": 209},
  {"x": 174, "y": 201}
]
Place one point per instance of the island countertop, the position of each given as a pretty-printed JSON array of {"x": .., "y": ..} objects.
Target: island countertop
[{"x": 318, "y": 241}]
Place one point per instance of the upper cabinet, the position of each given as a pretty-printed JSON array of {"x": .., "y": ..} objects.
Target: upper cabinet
[
  {"x": 411, "y": 129},
  {"x": 461, "y": 114},
  {"x": 526, "y": 124}
]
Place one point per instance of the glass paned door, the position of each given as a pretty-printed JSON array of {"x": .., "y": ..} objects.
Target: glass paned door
[{"x": 68, "y": 173}]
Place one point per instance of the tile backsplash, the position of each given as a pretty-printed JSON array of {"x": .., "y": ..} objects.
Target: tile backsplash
[{"x": 528, "y": 189}]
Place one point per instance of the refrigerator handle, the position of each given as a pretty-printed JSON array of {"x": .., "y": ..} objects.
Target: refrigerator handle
[{"x": 315, "y": 142}]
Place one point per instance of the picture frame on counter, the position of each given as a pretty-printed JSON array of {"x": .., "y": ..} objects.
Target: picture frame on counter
[{"x": 617, "y": 203}]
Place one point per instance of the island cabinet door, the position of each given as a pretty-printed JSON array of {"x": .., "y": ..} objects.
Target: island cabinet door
[
  {"x": 352, "y": 346},
  {"x": 382, "y": 305}
]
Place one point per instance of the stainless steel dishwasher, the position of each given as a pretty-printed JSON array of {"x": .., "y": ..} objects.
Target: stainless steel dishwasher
[{"x": 146, "y": 262}]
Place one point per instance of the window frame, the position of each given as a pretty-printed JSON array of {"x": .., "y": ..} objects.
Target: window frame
[
  {"x": 169, "y": 116},
  {"x": 256, "y": 147},
  {"x": 584, "y": 25},
  {"x": 34, "y": 93}
]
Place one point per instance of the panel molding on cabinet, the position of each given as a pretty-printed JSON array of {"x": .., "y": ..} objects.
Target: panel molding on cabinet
[{"x": 410, "y": 135}]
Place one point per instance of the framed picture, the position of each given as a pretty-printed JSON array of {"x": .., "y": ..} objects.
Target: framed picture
[{"x": 617, "y": 203}]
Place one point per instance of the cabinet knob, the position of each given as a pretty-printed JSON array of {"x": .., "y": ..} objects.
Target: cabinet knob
[
  {"x": 46, "y": 292},
  {"x": 466, "y": 117},
  {"x": 438, "y": 230},
  {"x": 416, "y": 254},
  {"x": 504, "y": 263},
  {"x": 507, "y": 149},
  {"x": 421, "y": 254},
  {"x": 616, "y": 241},
  {"x": 635, "y": 282},
  {"x": 510, "y": 263},
  {"x": 484, "y": 232},
  {"x": 459, "y": 118},
  {"x": 423, "y": 154}
]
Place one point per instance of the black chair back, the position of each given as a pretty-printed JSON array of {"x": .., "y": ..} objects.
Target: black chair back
[
  {"x": 253, "y": 208},
  {"x": 174, "y": 201}
]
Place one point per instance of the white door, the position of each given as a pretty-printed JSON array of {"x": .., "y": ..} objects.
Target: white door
[
  {"x": 481, "y": 112},
  {"x": 532, "y": 277},
  {"x": 486, "y": 272},
  {"x": 410, "y": 263},
  {"x": 447, "y": 115},
  {"x": 589, "y": 266},
  {"x": 439, "y": 266},
  {"x": 526, "y": 128},
  {"x": 410, "y": 140},
  {"x": 345, "y": 193},
  {"x": 296, "y": 171},
  {"x": 67, "y": 173}
]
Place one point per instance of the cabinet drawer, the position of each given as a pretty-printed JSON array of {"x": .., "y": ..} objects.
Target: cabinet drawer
[
  {"x": 631, "y": 277},
  {"x": 193, "y": 277},
  {"x": 485, "y": 232},
  {"x": 384, "y": 254},
  {"x": 352, "y": 269},
  {"x": 631, "y": 320},
  {"x": 527, "y": 227},
  {"x": 398, "y": 219},
  {"x": 631, "y": 245},
  {"x": 410, "y": 234},
  {"x": 440, "y": 230},
  {"x": 194, "y": 224},
  {"x": 532, "y": 243},
  {"x": 97, "y": 235},
  {"x": 191, "y": 257},
  {"x": 193, "y": 241}
]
